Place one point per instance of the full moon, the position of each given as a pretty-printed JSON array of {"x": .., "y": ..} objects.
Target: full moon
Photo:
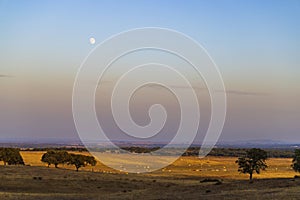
[{"x": 92, "y": 40}]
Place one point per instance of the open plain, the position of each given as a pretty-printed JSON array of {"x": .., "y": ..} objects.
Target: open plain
[{"x": 187, "y": 178}]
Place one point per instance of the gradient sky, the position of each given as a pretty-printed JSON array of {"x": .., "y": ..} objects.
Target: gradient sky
[{"x": 255, "y": 44}]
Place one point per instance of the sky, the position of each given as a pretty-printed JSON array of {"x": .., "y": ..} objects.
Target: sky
[{"x": 255, "y": 44}]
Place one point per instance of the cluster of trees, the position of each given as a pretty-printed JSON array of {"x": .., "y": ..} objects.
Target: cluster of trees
[
  {"x": 63, "y": 157},
  {"x": 11, "y": 156}
]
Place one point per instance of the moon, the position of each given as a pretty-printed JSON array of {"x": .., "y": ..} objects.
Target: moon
[{"x": 92, "y": 40}]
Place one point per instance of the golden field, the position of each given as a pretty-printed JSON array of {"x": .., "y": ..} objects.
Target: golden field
[
  {"x": 222, "y": 167},
  {"x": 181, "y": 180}
]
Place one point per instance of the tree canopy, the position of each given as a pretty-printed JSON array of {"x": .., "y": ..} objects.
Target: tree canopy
[
  {"x": 81, "y": 161},
  {"x": 55, "y": 158},
  {"x": 11, "y": 156},
  {"x": 296, "y": 160},
  {"x": 63, "y": 157},
  {"x": 253, "y": 161}
]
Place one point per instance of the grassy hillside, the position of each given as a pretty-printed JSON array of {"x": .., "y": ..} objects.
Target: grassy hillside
[
  {"x": 181, "y": 180},
  {"x": 26, "y": 182}
]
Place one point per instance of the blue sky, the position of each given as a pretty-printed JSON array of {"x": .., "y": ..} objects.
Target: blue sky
[{"x": 255, "y": 44}]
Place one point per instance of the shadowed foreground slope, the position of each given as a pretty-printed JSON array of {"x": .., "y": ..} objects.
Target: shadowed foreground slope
[{"x": 24, "y": 182}]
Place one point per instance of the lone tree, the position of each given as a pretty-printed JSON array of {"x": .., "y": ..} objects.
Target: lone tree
[
  {"x": 296, "y": 160},
  {"x": 55, "y": 158},
  {"x": 81, "y": 161},
  {"x": 253, "y": 161},
  {"x": 11, "y": 156}
]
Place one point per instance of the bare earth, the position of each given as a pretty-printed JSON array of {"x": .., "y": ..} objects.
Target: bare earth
[{"x": 181, "y": 180}]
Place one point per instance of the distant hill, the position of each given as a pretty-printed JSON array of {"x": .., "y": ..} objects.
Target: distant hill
[{"x": 58, "y": 143}]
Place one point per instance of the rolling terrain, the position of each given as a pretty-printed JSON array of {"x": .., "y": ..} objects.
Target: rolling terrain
[{"x": 187, "y": 178}]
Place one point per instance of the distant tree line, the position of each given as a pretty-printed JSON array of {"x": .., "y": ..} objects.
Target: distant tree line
[
  {"x": 237, "y": 152},
  {"x": 191, "y": 151},
  {"x": 11, "y": 156},
  {"x": 79, "y": 149},
  {"x": 137, "y": 149},
  {"x": 63, "y": 157}
]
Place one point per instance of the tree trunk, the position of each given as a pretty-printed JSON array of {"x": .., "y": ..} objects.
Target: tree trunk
[
  {"x": 77, "y": 168},
  {"x": 56, "y": 165},
  {"x": 250, "y": 176}
]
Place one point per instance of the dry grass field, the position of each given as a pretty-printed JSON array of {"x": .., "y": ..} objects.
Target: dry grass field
[
  {"x": 222, "y": 167},
  {"x": 181, "y": 180}
]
